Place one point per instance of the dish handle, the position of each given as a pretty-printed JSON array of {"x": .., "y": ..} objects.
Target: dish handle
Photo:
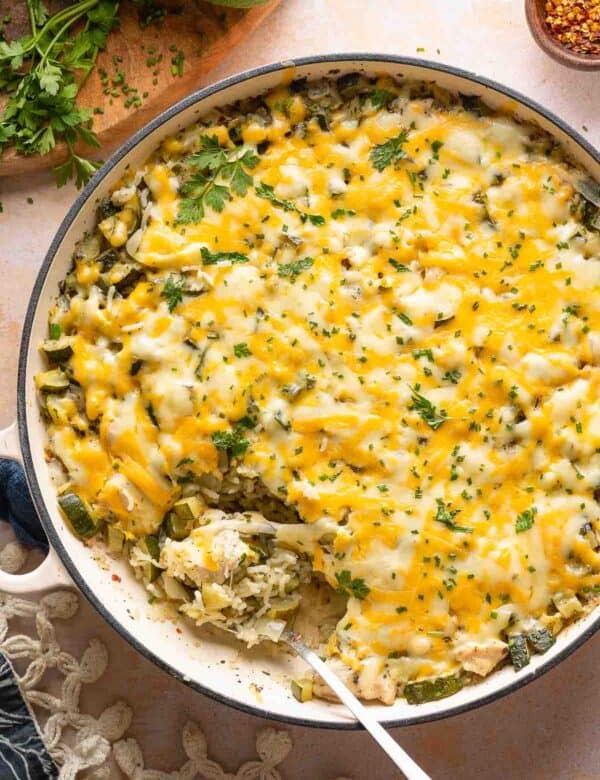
[{"x": 50, "y": 573}]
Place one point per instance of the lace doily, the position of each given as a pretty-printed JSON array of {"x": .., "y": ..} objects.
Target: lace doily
[{"x": 82, "y": 744}]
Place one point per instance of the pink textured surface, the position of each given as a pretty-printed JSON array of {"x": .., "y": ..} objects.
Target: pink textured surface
[{"x": 547, "y": 730}]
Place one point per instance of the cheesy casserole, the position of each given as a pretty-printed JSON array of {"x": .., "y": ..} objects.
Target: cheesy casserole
[{"x": 344, "y": 339}]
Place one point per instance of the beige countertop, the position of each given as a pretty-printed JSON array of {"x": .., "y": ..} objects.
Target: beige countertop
[{"x": 547, "y": 730}]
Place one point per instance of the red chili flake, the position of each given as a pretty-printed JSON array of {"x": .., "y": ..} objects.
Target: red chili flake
[
  {"x": 179, "y": 631},
  {"x": 115, "y": 578},
  {"x": 575, "y": 23}
]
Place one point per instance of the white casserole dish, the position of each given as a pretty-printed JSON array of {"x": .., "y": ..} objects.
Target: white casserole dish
[{"x": 256, "y": 681}]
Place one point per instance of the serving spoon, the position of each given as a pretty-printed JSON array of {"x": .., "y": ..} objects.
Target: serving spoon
[{"x": 401, "y": 759}]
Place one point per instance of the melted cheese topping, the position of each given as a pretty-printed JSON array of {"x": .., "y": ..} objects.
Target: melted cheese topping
[{"x": 422, "y": 367}]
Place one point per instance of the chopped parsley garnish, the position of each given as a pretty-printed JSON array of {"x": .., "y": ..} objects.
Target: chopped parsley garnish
[
  {"x": 381, "y": 98},
  {"x": 217, "y": 172},
  {"x": 173, "y": 292},
  {"x": 55, "y": 331},
  {"x": 339, "y": 213},
  {"x": 267, "y": 192},
  {"x": 446, "y": 516},
  {"x": 525, "y": 520},
  {"x": 435, "y": 148},
  {"x": 241, "y": 350},
  {"x": 353, "y": 587},
  {"x": 400, "y": 267},
  {"x": 390, "y": 152},
  {"x": 293, "y": 270},
  {"x": 232, "y": 442},
  {"x": 213, "y": 258},
  {"x": 452, "y": 376},
  {"x": 426, "y": 353},
  {"x": 426, "y": 410}
]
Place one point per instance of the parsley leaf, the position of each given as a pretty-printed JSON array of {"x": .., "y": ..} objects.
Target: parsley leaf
[
  {"x": 353, "y": 587},
  {"x": 390, "y": 152},
  {"x": 241, "y": 350},
  {"x": 446, "y": 516},
  {"x": 525, "y": 520},
  {"x": 232, "y": 442},
  {"x": 213, "y": 258},
  {"x": 267, "y": 192},
  {"x": 293, "y": 270},
  {"x": 400, "y": 267},
  {"x": 217, "y": 172},
  {"x": 380, "y": 98},
  {"x": 173, "y": 292},
  {"x": 426, "y": 410}
]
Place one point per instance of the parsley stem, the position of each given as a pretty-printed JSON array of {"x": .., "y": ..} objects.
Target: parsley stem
[{"x": 81, "y": 11}]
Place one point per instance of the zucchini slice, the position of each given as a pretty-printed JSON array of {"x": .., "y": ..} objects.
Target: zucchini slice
[
  {"x": 88, "y": 248},
  {"x": 540, "y": 639},
  {"x": 79, "y": 515},
  {"x": 176, "y": 527},
  {"x": 57, "y": 350},
  {"x": 432, "y": 689},
  {"x": 53, "y": 381},
  {"x": 302, "y": 690},
  {"x": 115, "y": 539},
  {"x": 150, "y": 572},
  {"x": 180, "y": 520},
  {"x": 174, "y": 589},
  {"x": 189, "y": 509},
  {"x": 149, "y": 545},
  {"x": 281, "y": 609},
  {"x": 567, "y": 604},
  {"x": 214, "y": 596},
  {"x": 519, "y": 652}
]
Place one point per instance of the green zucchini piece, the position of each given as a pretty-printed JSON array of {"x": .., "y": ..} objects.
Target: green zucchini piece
[
  {"x": 189, "y": 509},
  {"x": 149, "y": 545},
  {"x": 302, "y": 690},
  {"x": 567, "y": 604},
  {"x": 53, "y": 381},
  {"x": 106, "y": 208},
  {"x": 57, "y": 350},
  {"x": 130, "y": 276},
  {"x": 282, "y": 609},
  {"x": 175, "y": 590},
  {"x": 79, "y": 515},
  {"x": 519, "y": 652},
  {"x": 150, "y": 571},
  {"x": 115, "y": 539},
  {"x": 540, "y": 639},
  {"x": 432, "y": 689},
  {"x": 176, "y": 527},
  {"x": 107, "y": 259},
  {"x": 88, "y": 248}
]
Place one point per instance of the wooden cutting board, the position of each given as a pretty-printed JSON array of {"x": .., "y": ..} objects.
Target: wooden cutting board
[{"x": 163, "y": 62}]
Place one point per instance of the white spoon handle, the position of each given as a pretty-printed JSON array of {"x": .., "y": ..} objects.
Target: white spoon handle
[{"x": 403, "y": 761}]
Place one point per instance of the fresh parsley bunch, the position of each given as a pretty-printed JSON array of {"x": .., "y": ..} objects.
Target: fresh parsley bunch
[{"x": 42, "y": 73}]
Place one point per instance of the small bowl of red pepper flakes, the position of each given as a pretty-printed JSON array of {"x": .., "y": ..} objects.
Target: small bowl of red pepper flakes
[{"x": 567, "y": 30}]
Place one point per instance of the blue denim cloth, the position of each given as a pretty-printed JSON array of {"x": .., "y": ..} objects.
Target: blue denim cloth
[
  {"x": 23, "y": 755},
  {"x": 17, "y": 508}
]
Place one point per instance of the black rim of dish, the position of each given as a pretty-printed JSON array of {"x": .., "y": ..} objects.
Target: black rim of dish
[{"x": 356, "y": 60}]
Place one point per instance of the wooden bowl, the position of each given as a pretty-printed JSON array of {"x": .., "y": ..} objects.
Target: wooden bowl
[{"x": 535, "y": 12}]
